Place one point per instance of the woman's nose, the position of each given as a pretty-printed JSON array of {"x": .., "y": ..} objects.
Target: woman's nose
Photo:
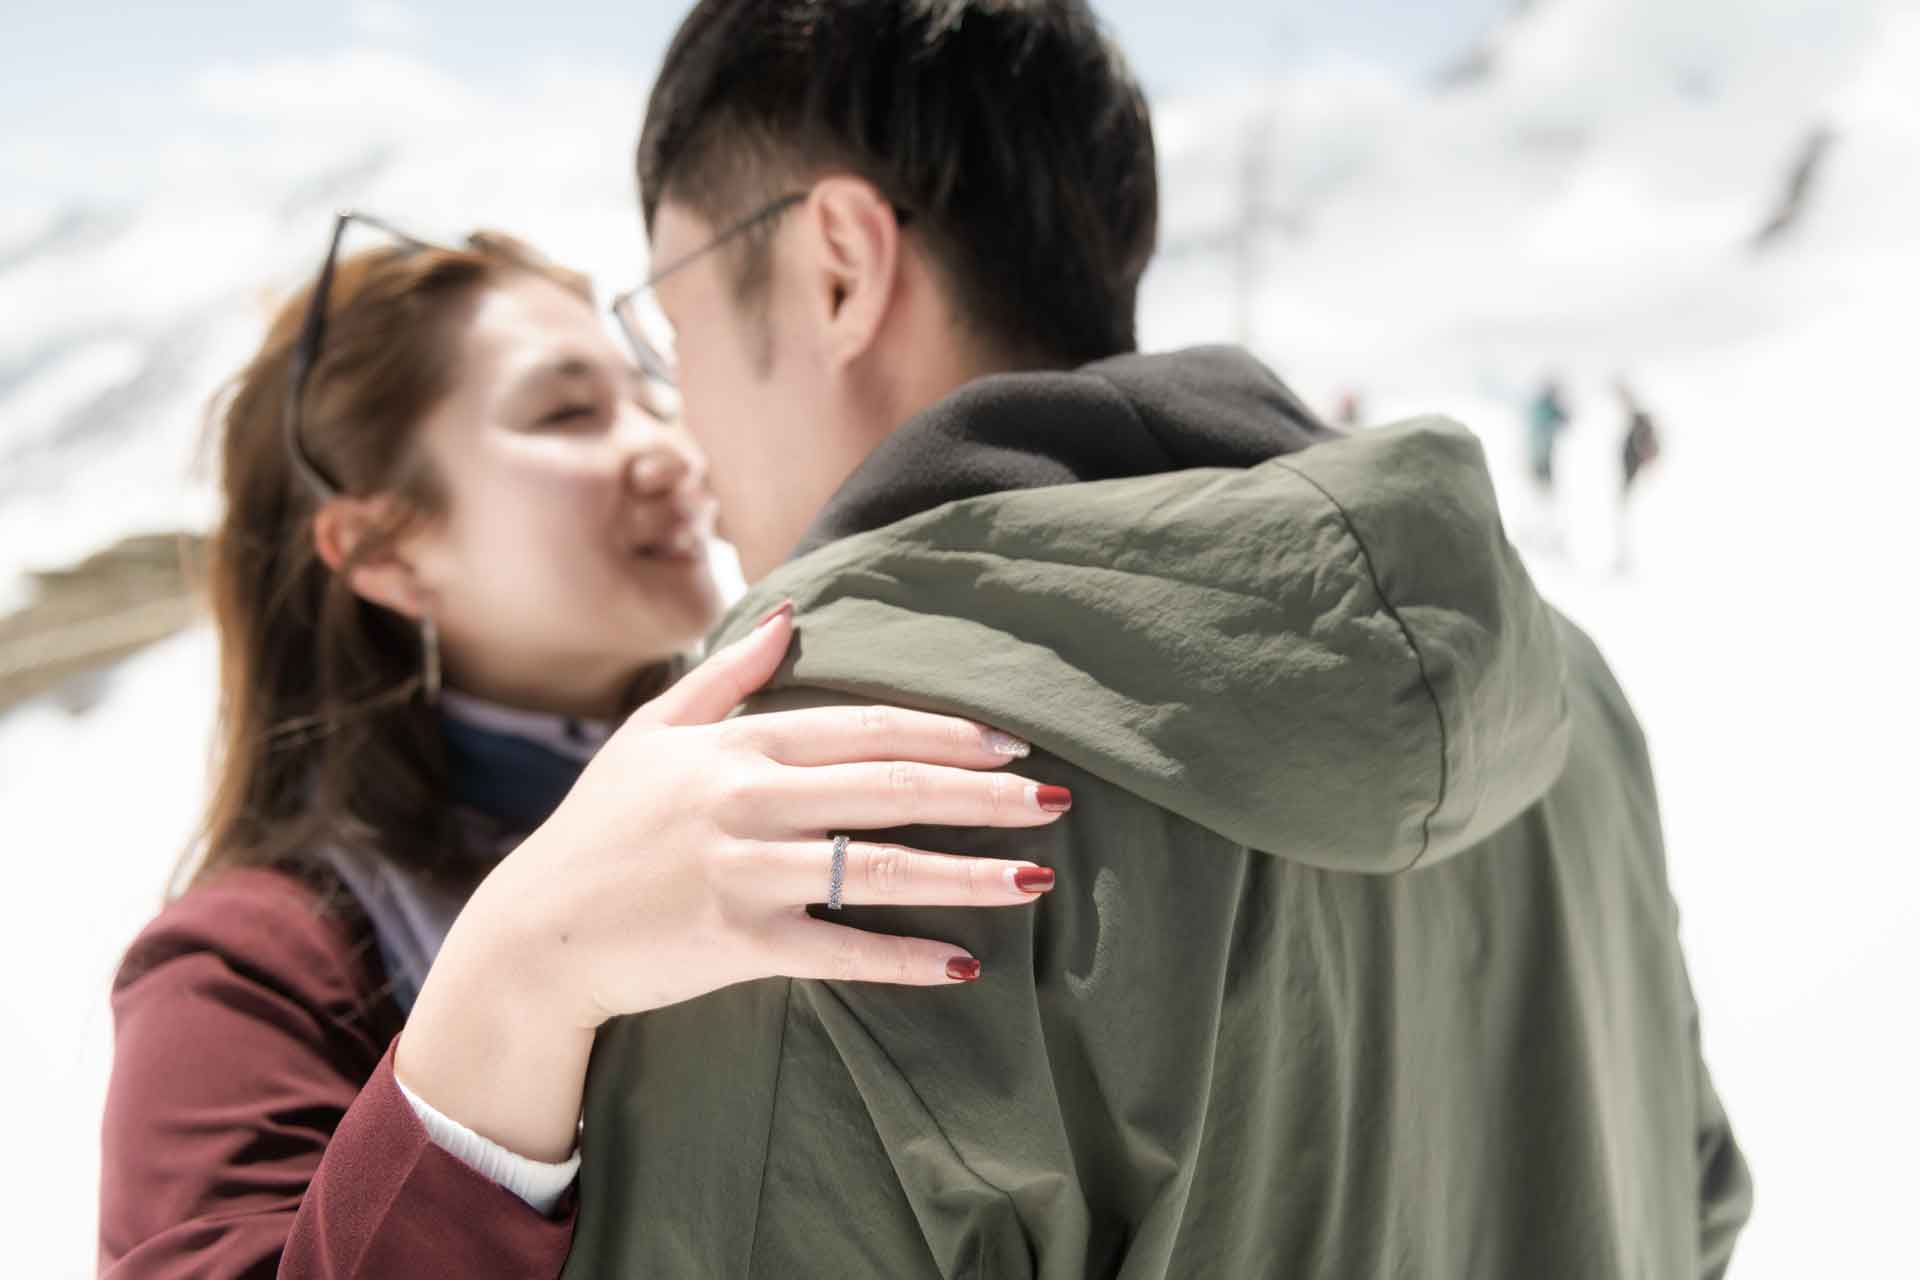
[
  {"x": 662, "y": 460},
  {"x": 657, "y": 469}
]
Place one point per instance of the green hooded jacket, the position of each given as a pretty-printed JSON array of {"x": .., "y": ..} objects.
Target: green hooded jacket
[{"x": 1361, "y": 960}]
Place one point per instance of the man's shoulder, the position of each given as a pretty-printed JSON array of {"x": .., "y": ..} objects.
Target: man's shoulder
[{"x": 934, "y": 1111}]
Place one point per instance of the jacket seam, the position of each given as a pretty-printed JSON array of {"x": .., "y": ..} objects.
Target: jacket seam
[
  {"x": 1419, "y": 659},
  {"x": 773, "y": 1114},
  {"x": 934, "y": 1120},
  {"x": 367, "y": 1242}
]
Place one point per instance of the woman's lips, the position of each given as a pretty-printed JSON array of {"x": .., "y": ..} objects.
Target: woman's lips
[
  {"x": 683, "y": 544},
  {"x": 682, "y": 536}
]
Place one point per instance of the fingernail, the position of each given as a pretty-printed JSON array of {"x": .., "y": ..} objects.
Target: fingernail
[
  {"x": 1033, "y": 879},
  {"x": 1053, "y": 799},
  {"x": 785, "y": 606},
  {"x": 1005, "y": 744},
  {"x": 963, "y": 969}
]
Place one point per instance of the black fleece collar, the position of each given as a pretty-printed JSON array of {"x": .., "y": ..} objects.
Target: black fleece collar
[{"x": 1129, "y": 415}]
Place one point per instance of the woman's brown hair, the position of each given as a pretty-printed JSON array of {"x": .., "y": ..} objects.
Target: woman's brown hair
[{"x": 324, "y": 735}]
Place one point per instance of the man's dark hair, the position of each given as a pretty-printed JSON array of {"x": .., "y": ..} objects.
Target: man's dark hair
[{"x": 1011, "y": 131}]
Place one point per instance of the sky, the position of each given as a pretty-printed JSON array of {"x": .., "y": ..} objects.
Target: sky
[{"x": 95, "y": 97}]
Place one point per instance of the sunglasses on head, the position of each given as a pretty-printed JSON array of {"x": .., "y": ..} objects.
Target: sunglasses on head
[{"x": 313, "y": 332}]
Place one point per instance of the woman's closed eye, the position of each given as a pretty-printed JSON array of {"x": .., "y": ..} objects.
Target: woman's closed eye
[{"x": 567, "y": 415}]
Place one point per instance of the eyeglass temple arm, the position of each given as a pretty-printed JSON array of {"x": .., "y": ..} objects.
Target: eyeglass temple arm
[{"x": 312, "y": 332}]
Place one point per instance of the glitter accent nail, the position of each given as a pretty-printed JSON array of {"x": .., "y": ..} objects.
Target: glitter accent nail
[{"x": 1005, "y": 744}]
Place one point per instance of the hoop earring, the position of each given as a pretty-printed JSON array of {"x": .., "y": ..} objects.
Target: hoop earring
[{"x": 429, "y": 659}]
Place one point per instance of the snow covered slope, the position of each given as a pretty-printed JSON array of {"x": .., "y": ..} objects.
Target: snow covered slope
[{"x": 1582, "y": 197}]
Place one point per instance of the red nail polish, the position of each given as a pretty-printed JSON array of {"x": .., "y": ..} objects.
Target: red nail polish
[
  {"x": 1033, "y": 879},
  {"x": 963, "y": 969},
  {"x": 785, "y": 606},
  {"x": 1054, "y": 799}
]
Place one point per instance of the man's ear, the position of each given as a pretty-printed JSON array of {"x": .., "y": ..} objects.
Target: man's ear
[
  {"x": 342, "y": 532},
  {"x": 857, "y": 242}
]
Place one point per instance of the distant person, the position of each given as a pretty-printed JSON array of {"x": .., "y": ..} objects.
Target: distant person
[
  {"x": 1362, "y": 957},
  {"x": 1640, "y": 444},
  {"x": 1347, "y": 413},
  {"x": 1547, "y": 417},
  {"x": 460, "y": 545}
]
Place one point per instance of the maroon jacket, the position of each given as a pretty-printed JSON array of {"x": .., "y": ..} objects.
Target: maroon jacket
[{"x": 253, "y": 1126}]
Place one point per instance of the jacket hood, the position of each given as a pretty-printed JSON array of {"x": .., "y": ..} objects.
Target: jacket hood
[{"x": 1332, "y": 656}]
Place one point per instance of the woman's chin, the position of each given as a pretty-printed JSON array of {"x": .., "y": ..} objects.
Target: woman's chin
[
  {"x": 670, "y": 600},
  {"x": 689, "y": 610}
]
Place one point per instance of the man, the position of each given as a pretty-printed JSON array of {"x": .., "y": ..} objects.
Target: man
[{"x": 1361, "y": 958}]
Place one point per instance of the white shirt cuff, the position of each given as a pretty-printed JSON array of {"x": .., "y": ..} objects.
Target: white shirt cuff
[{"x": 538, "y": 1183}]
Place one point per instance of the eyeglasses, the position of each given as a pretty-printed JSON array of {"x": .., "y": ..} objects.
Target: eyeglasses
[
  {"x": 638, "y": 311},
  {"x": 312, "y": 333}
]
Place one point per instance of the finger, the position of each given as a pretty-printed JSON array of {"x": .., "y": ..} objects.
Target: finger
[
  {"x": 900, "y": 793},
  {"x": 809, "y": 948},
  {"x": 848, "y": 735},
  {"x": 721, "y": 683},
  {"x": 894, "y": 875}
]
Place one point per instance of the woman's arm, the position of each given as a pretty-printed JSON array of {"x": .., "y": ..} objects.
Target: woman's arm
[
  {"x": 388, "y": 1201},
  {"x": 253, "y": 1123},
  {"x": 684, "y": 861}
]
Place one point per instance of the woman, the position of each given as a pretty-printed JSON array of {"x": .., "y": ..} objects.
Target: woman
[{"x": 458, "y": 546}]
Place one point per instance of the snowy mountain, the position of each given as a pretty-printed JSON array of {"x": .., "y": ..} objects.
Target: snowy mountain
[{"x": 1583, "y": 198}]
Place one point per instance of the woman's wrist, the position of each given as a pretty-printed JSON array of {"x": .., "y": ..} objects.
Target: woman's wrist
[
  {"x": 489, "y": 1042},
  {"x": 539, "y": 1183}
]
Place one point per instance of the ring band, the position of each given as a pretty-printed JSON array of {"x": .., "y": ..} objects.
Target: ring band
[{"x": 838, "y": 878}]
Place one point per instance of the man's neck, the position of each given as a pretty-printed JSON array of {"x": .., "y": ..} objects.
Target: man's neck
[
  {"x": 901, "y": 380},
  {"x": 926, "y": 370}
]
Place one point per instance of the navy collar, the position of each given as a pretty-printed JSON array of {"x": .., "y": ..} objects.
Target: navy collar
[{"x": 514, "y": 766}]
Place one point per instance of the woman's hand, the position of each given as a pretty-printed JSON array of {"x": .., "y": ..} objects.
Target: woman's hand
[
  {"x": 684, "y": 860},
  {"x": 685, "y": 857}
]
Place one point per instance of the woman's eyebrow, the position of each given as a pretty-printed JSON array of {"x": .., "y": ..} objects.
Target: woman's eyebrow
[{"x": 566, "y": 369}]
